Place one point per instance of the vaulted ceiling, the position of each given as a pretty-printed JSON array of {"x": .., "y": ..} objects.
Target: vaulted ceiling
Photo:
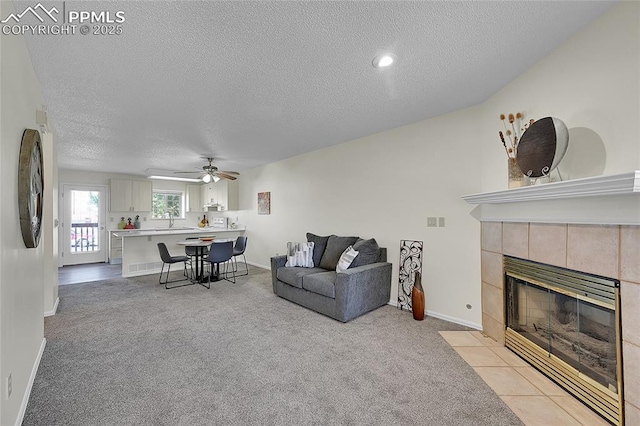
[{"x": 251, "y": 83}]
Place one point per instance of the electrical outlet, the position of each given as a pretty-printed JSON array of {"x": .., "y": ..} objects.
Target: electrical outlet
[
  {"x": 441, "y": 222},
  {"x": 432, "y": 222},
  {"x": 111, "y": 219},
  {"x": 9, "y": 386}
]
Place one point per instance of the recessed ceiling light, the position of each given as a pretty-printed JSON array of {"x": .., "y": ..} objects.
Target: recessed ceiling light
[{"x": 385, "y": 60}]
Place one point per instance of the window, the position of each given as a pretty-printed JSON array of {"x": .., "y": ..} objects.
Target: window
[{"x": 166, "y": 203}]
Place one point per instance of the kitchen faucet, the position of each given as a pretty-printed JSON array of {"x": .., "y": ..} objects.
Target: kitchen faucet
[{"x": 170, "y": 220}]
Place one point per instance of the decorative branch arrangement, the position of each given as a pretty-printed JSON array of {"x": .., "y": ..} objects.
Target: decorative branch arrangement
[{"x": 513, "y": 131}]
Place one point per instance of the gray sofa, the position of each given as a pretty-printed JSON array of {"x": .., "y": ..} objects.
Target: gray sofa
[{"x": 364, "y": 286}]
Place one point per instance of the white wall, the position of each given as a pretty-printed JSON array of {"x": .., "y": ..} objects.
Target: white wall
[
  {"x": 386, "y": 185},
  {"x": 592, "y": 83},
  {"x": 21, "y": 269}
]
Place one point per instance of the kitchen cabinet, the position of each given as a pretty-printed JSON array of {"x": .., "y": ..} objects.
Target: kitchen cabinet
[
  {"x": 129, "y": 195},
  {"x": 115, "y": 249},
  {"x": 224, "y": 193},
  {"x": 194, "y": 200}
]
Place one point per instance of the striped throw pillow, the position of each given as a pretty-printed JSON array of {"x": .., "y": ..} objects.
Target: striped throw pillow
[
  {"x": 300, "y": 254},
  {"x": 346, "y": 258}
]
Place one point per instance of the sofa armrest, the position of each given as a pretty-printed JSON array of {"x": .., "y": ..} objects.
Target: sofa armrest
[
  {"x": 276, "y": 262},
  {"x": 361, "y": 289}
]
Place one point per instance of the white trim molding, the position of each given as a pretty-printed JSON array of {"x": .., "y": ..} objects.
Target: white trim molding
[
  {"x": 444, "y": 317},
  {"x": 32, "y": 378},
  {"x": 53, "y": 311},
  {"x": 621, "y": 184}
]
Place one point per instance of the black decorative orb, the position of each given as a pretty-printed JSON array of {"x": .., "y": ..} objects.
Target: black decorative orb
[
  {"x": 30, "y": 187},
  {"x": 542, "y": 147}
]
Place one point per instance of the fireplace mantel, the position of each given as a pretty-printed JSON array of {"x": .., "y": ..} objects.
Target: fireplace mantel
[
  {"x": 621, "y": 184},
  {"x": 600, "y": 200}
]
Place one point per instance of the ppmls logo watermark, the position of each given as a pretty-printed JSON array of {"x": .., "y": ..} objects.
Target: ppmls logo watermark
[{"x": 57, "y": 20}]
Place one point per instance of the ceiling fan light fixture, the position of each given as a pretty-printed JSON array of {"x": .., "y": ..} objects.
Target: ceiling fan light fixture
[
  {"x": 216, "y": 179},
  {"x": 384, "y": 60},
  {"x": 206, "y": 178}
]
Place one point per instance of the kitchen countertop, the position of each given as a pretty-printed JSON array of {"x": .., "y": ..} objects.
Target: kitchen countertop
[{"x": 171, "y": 231}]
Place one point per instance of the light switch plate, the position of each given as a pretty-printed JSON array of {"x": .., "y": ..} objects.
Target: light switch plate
[
  {"x": 441, "y": 222},
  {"x": 432, "y": 222}
]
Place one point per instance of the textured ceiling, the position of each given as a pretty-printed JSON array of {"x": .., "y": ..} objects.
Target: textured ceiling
[{"x": 255, "y": 82}]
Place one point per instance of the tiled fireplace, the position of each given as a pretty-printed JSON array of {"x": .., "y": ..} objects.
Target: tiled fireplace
[{"x": 605, "y": 250}]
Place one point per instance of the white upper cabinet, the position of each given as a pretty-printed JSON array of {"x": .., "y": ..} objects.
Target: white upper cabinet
[
  {"x": 129, "y": 195},
  {"x": 224, "y": 194},
  {"x": 194, "y": 203}
]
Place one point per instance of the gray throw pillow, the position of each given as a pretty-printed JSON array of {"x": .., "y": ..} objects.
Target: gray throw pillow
[
  {"x": 369, "y": 252},
  {"x": 335, "y": 246},
  {"x": 320, "y": 244}
]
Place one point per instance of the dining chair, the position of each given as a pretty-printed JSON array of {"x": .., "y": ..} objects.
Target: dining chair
[
  {"x": 238, "y": 250},
  {"x": 194, "y": 252},
  {"x": 221, "y": 253},
  {"x": 167, "y": 259}
]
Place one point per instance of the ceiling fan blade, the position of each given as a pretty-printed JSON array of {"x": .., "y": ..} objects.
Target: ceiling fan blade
[
  {"x": 190, "y": 172},
  {"x": 226, "y": 176},
  {"x": 229, "y": 173}
]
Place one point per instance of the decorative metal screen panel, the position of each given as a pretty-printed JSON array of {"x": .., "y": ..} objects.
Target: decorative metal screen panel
[{"x": 410, "y": 263}]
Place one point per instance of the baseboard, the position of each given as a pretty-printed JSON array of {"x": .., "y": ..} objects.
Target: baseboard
[
  {"x": 54, "y": 310},
  {"x": 258, "y": 265},
  {"x": 445, "y": 317},
  {"x": 32, "y": 378},
  {"x": 466, "y": 323}
]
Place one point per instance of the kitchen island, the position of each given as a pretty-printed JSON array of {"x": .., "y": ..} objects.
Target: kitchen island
[{"x": 140, "y": 254}]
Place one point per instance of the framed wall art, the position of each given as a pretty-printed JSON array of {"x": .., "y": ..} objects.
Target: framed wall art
[{"x": 264, "y": 202}]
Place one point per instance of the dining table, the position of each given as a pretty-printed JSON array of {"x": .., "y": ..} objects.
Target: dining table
[{"x": 200, "y": 244}]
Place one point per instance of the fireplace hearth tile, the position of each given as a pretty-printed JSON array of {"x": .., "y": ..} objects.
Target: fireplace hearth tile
[
  {"x": 630, "y": 253},
  {"x": 480, "y": 356},
  {"x": 486, "y": 340},
  {"x": 509, "y": 357},
  {"x": 548, "y": 243},
  {"x": 539, "y": 411},
  {"x": 593, "y": 249},
  {"x": 580, "y": 412},
  {"x": 506, "y": 381},
  {"x": 540, "y": 381},
  {"x": 460, "y": 338}
]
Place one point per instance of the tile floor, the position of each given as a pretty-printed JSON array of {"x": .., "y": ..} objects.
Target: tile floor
[{"x": 535, "y": 399}]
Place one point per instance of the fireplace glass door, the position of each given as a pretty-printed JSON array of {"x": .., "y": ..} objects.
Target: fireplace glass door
[{"x": 581, "y": 333}]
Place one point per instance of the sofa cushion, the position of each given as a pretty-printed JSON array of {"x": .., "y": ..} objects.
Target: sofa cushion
[
  {"x": 323, "y": 283},
  {"x": 368, "y": 252},
  {"x": 300, "y": 254},
  {"x": 319, "y": 245},
  {"x": 346, "y": 259},
  {"x": 335, "y": 247},
  {"x": 293, "y": 276}
]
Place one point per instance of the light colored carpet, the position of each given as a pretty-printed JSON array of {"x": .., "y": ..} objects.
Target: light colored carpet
[{"x": 129, "y": 352}]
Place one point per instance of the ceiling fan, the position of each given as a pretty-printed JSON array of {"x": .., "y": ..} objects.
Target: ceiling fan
[{"x": 211, "y": 173}]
